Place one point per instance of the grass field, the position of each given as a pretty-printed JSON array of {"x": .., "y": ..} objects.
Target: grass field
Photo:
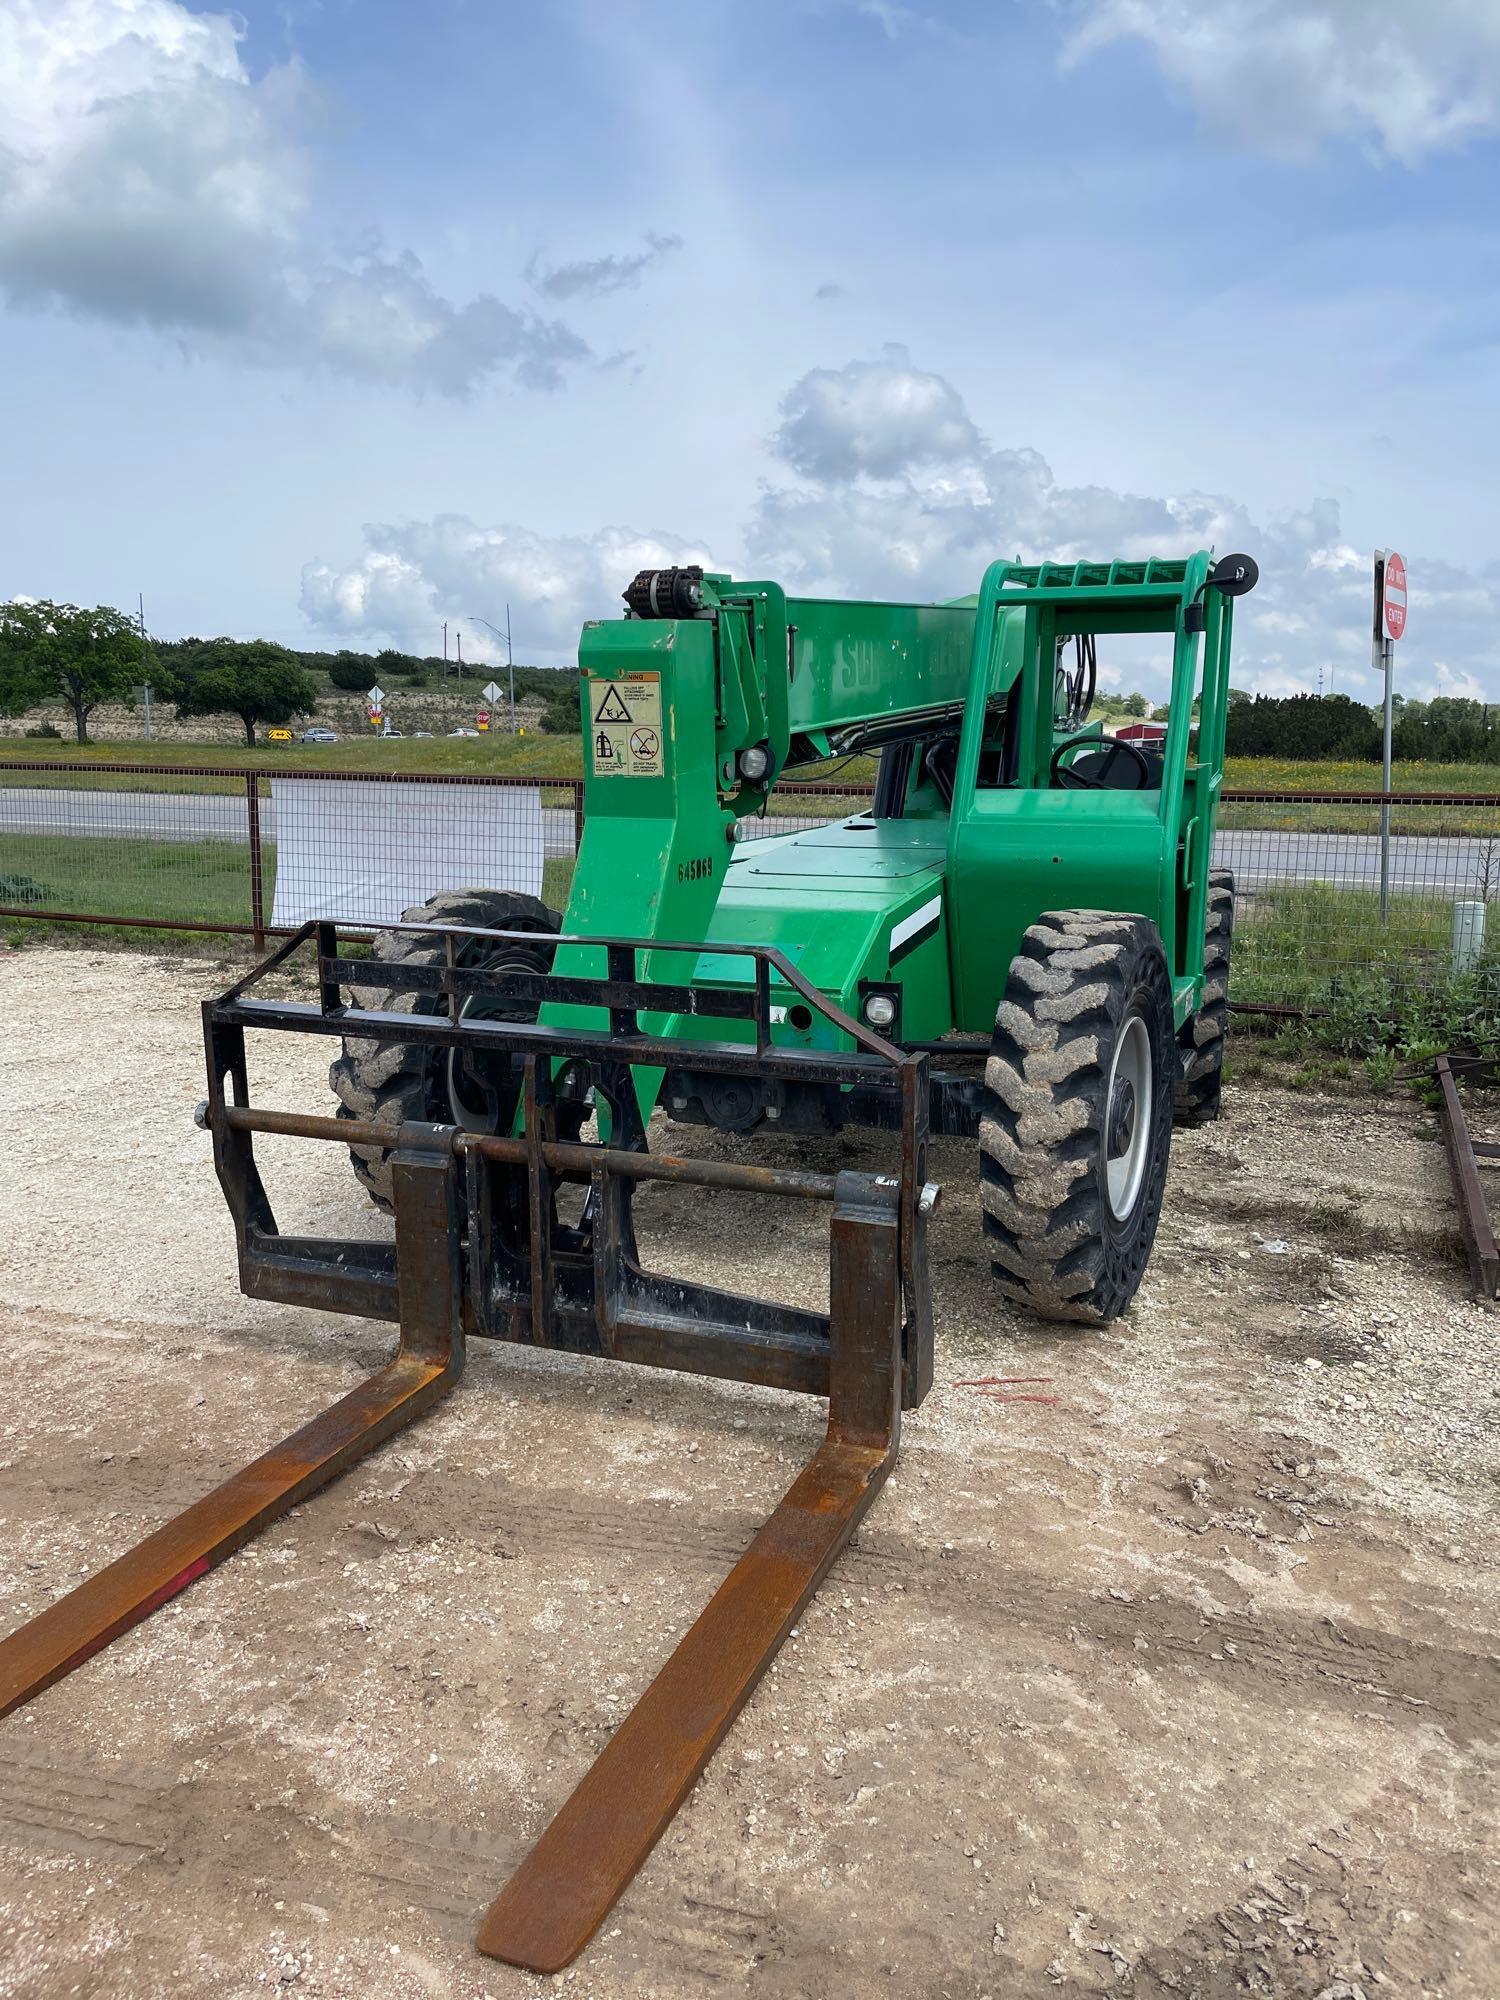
[
  {"x": 562, "y": 757},
  {"x": 1307, "y": 944},
  {"x": 1271, "y": 774},
  {"x": 1283, "y": 774},
  {"x": 178, "y": 881},
  {"x": 509, "y": 756},
  {"x": 172, "y": 881}
]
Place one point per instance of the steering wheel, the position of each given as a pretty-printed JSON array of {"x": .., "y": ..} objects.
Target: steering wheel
[{"x": 1094, "y": 781}]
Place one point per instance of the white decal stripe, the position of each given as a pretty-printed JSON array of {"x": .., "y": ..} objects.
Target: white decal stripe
[{"x": 918, "y": 920}]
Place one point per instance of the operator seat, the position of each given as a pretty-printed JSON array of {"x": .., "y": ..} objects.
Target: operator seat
[{"x": 1121, "y": 774}]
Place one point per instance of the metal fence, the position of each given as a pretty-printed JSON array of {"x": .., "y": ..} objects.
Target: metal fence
[
  {"x": 211, "y": 848},
  {"x": 1339, "y": 893},
  {"x": 214, "y": 848}
]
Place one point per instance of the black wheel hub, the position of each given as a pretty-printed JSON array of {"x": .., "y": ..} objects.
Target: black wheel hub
[{"x": 1121, "y": 1118}]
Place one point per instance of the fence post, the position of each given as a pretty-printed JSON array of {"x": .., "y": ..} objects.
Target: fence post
[{"x": 257, "y": 878}]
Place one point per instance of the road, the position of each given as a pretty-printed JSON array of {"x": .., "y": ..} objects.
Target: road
[{"x": 1420, "y": 864}]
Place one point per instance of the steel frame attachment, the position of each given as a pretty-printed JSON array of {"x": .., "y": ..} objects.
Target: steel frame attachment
[
  {"x": 480, "y": 1248},
  {"x": 1464, "y": 1154}
]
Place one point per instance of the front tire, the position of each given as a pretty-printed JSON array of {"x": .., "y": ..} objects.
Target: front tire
[
  {"x": 392, "y": 1082},
  {"x": 1076, "y": 1121}
]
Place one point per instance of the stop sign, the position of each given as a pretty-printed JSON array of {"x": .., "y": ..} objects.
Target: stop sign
[{"x": 1393, "y": 595}]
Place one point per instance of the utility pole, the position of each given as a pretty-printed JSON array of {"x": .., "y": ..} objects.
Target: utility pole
[
  {"x": 140, "y": 599},
  {"x": 445, "y": 646},
  {"x": 460, "y": 638},
  {"x": 475, "y": 619}
]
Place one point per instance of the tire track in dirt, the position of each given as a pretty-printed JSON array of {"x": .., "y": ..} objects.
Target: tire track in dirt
[
  {"x": 71, "y": 1808},
  {"x": 450, "y": 1873},
  {"x": 1317, "y": 1660}
]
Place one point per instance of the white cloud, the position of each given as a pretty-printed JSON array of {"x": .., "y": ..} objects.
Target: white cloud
[
  {"x": 1283, "y": 74},
  {"x": 418, "y": 573},
  {"x": 879, "y": 417},
  {"x": 892, "y": 19},
  {"x": 147, "y": 179},
  {"x": 596, "y": 276},
  {"x": 1447, "y": 683},
  {"x": 902, "y": 497}
]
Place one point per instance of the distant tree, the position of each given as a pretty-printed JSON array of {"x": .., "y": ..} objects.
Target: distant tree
[
  {"x": 356, "y": 671},
  {"x": 391, "y": 665},
  {"x": 60, "y": 652},
  {"x": 23, "y": 681},
  {"x": 1133, "y": 704},
  {"x": 250, "y": 678},
  {"x": 561, "y": 713},
  {"x": 1447, "y": 730},
  {"x": 1302, "y": 726}
]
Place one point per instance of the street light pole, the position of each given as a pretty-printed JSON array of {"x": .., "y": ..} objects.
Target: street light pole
[{"x": 475, "y": 619}]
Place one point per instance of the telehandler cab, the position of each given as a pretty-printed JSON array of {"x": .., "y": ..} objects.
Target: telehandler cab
[{"x": 1023, "y": 942}]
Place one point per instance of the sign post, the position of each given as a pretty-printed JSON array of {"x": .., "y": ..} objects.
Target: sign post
[
  {"x": 491, "y": 695},
  {"x": 376, "y": 699},
  {"x": 1390, "y": 625}
]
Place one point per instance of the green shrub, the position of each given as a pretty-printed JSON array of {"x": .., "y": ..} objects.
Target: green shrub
[{"x": 24, "y": 890}]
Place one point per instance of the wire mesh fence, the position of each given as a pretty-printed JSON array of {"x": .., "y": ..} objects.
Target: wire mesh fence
[
  {"x": 1338, "y": 892},
  {"x": 1335, "y": 889},
  {"x": 207, "y": 847}
]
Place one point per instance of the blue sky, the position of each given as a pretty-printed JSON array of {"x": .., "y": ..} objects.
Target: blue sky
[{"x": 332, "y": 321}]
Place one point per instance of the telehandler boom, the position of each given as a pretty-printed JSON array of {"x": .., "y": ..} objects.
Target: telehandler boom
[{"x": 1023, "y": 942}]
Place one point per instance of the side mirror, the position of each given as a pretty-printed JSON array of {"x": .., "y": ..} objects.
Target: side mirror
[{"x": 1234, "y": 575}]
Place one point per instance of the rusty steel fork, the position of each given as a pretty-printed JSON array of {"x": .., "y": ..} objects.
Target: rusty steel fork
[
  {"x": 583, "y": 1862},
  {"x": 427, "y": 1363}
]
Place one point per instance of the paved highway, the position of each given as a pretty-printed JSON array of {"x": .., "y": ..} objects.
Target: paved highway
[{"x": 1420, "y": 864}]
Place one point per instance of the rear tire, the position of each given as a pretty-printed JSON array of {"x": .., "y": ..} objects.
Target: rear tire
[
  {"x": 1076, "y": 1120},
  {"x": 1199, "y": 1098},
  {"x": 392, "y": 1082}
]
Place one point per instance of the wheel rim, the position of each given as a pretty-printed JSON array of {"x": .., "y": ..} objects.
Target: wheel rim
[
  {"x": 1127, "y": 1118},
  {"x": 465, "y": 1104}
]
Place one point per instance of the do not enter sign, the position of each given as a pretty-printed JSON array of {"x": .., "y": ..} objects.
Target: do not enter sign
[{"x": 1393, "y": 595}]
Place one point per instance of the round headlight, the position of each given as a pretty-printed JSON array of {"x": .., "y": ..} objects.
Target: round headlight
[
  {"x": 755, "y": 762},
  {"x": 880, "y": 1010}
]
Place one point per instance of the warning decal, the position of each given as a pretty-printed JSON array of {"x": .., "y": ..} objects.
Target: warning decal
[{"x": 625, "y": 727}]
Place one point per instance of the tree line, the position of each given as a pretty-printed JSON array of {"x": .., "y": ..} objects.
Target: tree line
[
  {"x": 81, "y": 658},
  {"x": 1448, "y": 730}
]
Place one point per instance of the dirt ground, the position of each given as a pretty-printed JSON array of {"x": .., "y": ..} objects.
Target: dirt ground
[{"x": 1180, "y": 1685}]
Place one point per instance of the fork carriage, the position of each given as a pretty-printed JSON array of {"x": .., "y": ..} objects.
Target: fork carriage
[{"x": 481, "y": 1250}]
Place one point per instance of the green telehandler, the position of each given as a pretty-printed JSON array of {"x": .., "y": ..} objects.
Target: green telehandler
[
  {"x": 1023, "y": 942},
  {"x": 1022, "y": 879}
]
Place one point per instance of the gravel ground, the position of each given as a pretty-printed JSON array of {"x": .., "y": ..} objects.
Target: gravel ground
[{"x": 1180, "y": 1685}]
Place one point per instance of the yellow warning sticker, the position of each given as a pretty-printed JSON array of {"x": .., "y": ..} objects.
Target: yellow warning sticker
[{"x": 625, "y": 727}]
